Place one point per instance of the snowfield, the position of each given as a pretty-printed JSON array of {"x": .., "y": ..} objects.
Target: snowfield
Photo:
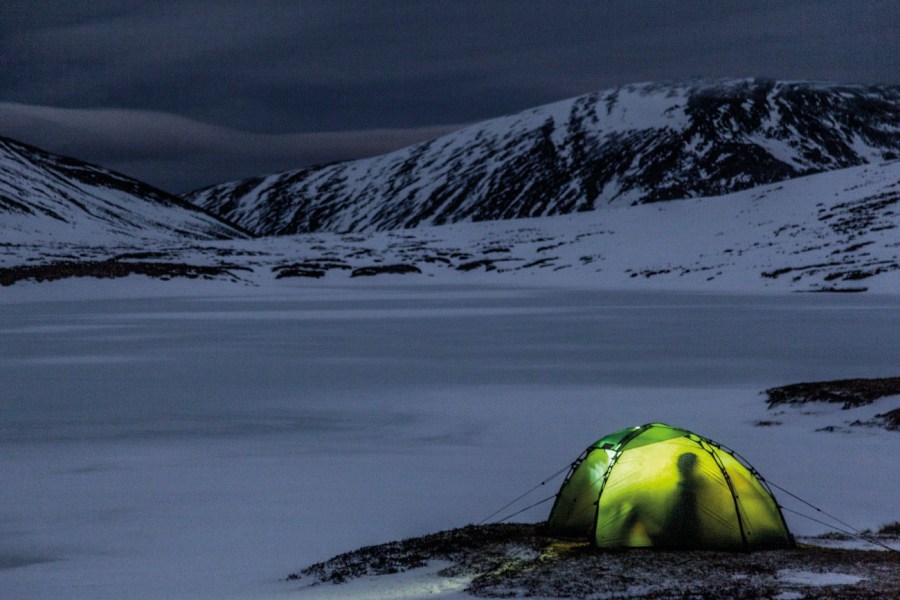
[
  {"x": 202, "y": 439},
  {"x": 832, "y": 231}
]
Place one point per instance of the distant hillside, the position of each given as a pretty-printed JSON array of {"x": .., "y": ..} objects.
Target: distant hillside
[
  {"x": 48, "y": 197},
  {"x": 833, "y": 231},
  {"x": 631, "y": 145}
]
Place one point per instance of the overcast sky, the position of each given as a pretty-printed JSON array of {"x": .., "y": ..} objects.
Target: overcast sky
[{"x": 183, "y": 94}]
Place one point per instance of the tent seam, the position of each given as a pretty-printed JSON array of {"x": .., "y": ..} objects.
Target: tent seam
[
  {"x": 737, "y": 509},
  {"x": 619, "y": 449}
]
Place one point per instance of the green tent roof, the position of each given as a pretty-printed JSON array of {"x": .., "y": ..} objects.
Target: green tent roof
[{"x": 666, "y": 487}]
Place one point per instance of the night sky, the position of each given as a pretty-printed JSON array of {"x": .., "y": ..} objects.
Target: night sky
[{"x": 183, "y": 94}]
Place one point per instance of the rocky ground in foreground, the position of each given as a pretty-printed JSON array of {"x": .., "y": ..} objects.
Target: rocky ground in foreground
[{"x": 507, "y": 560}]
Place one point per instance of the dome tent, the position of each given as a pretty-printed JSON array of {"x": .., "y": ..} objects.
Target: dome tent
[{"x": 665, "y": 487}]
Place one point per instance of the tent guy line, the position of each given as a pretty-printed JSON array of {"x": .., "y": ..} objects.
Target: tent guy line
[
  {"x": 511, "y": 502},
  {"x": 852, "y": 530},
  {"x": 529, "y": 507}
]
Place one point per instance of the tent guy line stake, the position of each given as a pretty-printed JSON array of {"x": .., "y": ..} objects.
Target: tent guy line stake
[
  {"x": 508, "y": 504},
  {"x": 873, "y": 541}
]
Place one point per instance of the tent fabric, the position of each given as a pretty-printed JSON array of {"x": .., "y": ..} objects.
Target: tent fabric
[{"x": 666, "y": 487}]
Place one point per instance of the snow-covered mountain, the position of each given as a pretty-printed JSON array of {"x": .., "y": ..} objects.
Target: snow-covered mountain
[
  {"x": 836, "y": 230},
  {"x": 631, "y": 145},
  {"x": 829, "y": 231},
  {"x": 46, "y": 197}
]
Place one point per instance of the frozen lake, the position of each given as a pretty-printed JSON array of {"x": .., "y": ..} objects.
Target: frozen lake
[{"x": 204, "y": 447}]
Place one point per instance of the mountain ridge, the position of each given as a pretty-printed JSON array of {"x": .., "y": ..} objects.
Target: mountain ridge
[
  {"x": 635, "y": 144},
  {"x": 47, "y": 195}
]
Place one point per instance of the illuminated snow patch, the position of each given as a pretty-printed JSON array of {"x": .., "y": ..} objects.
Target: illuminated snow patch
[
  {"x": 415, "y": 583},
  {"x": 817, "y": 579}
]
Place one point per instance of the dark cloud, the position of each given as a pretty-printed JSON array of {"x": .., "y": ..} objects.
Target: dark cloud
[
  {"x": 180, "y": 154},
  {"x": 303, "y": 67}
]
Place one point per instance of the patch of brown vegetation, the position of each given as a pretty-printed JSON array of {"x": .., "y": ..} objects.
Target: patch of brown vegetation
[
  {"x": 849, "y": 392},
  {"x": 109, "y": 269},
  {"x": 889, "y": 420},
  {"x": 891, "y": 530},
  {"x": 315, "y": 269},
  {"x": 371, "y": 271}
]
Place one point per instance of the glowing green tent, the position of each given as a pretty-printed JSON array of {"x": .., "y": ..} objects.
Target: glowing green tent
[{"x": 665, "y": 487}]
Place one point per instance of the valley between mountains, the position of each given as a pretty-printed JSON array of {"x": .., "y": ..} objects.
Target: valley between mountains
[{"x": 747, "y": 185}]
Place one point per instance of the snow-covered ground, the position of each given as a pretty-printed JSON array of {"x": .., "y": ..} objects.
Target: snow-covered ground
[
  {"x": 834, "y": 230},
  {"x": 204, "y": 439}
]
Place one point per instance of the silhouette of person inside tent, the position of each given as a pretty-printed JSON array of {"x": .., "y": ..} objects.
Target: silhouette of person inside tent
[{"x": 680, "y": 527}]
